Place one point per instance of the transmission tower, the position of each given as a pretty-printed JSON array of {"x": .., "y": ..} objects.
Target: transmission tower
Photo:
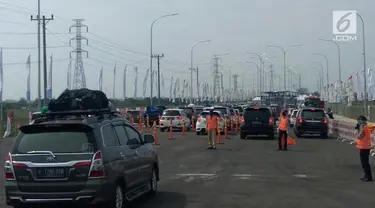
[
  {"x": 79, "y": 78},
  {"x": 216, "y": 76}
]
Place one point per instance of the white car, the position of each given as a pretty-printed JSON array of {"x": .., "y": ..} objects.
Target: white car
[
  {"x": 293, "y": 118},
  {"x": 201, "y": 122},
  {"x": 176, "y": 117}
]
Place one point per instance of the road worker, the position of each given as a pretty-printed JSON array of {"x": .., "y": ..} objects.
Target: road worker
[
  {"x": 211, "y": 129},
  {"x": 364, "y": 146},
  {"x": 283, "y": 132}
]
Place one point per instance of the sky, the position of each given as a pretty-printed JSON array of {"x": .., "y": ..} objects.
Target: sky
[{"x": 119, "y": 32}]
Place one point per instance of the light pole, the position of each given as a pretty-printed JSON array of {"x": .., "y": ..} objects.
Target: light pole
[
  {"x": 191, "y": 69},
  {"x": 320, "y": 77},
  {"x": 327, "y": 78},
  {"x": 284, "y": 53},
  {"x": 365, "y": 110},
  {"x": 151, "y": 77},
  {"x": 322, "y": 69},
  {"x": 339, "y": 59},
  {"x": 260, "y": 68}
]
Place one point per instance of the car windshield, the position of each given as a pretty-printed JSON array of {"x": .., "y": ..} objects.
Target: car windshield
[
  {"x": 62, "y": 141},
  {"x": 222, "y": 110},
  {"x": 171, "y": 113},
  {"x": 188, "y": 111},
  {"x": 205, "y": 114},
  {"x": 199, "y": 110},
  {"x": 260, "y": 113},
  {"x": 313, "y": 114}
]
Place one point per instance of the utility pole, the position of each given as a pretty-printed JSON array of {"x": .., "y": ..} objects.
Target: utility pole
[
  {"x": 79, "y": 80},
  {"x": 44, "y": 23},
  {"x": 39, "y": 50},
  {"x": 197, "y": 70},
  {"x": 271, "y": 79},
  {"x": 124, "y": 82},
  {"x": 235, "y": 86},
  {"x": 215, "y": 74},
  {"x": 114, "y": 82},
  {"x": 136, "y": 82},
  {"x": 158, "y": 57}
]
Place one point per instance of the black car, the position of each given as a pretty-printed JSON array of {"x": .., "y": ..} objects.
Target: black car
[
  {"x": 85, "y": 157},
  {"x": 258, "y": 121},
  {"x": 311, "y": 121}
]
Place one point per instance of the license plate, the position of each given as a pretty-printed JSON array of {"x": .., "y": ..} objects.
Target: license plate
[
  {"x": 51, "y": 173},
  {"x": 257, "y": 122}
]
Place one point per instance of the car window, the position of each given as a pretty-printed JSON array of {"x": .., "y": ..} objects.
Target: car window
[
  {"x": 121, "y": 134},
  {"x": 205, "y": 114},
  {"x": 198, "y": 110},
  {"x": 294, "y": 114},
  {"x": 222, "y": 110},
  {"x": 184, "y": 114},
  {"x": 188, "y": 110},
  {"x": 171, "y": 113},
  {"x": 132, "y": 134},
  {"x": 317, "y": 114},
  {"x": 57, "y": 142},
  {"x": 260, "y": 113},
  {"x": 109, "y": 136}
]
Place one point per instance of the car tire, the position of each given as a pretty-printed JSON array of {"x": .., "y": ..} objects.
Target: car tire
[
  {"x": 324, "y": 136},
  {"x": 119, "y": 200},
  {"x": 162, "y": 129},
  {"x": 153, "y": 183},
  {"x": 298, "y": 135},
  {"x": 198, "y": 133},
  {"x": 243, "y": 136}
]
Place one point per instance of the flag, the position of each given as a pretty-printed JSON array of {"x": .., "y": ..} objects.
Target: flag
[
  {"x": 101, "y": 79},
  {"x": 49, "y": 83},
  {"x": 28, "y": 66}
]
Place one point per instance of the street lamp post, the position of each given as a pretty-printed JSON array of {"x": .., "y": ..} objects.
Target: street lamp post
[
  {"x": 151, "y": 81},
  {"x": 261, "y": 68},
  {"x": 320, "y": 74},
  {"x": 339, "y": 59},
  {"x": 365, "y": 110},
  {"x": 284, "y": 53},
  {"x": 322, "y": 70},
  {"x": 191, "y": 69},
  {"x": 327, "y": 78}
]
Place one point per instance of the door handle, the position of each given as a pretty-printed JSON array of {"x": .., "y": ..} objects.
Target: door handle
[{"x": 122, "y": 155}]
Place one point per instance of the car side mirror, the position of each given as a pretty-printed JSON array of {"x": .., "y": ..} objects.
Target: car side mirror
[{"x": 148, "y": 138}]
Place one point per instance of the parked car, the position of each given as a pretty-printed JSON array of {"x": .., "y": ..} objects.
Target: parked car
[
  {"x": 175, "y": 116},
  {"x": 293, "y": 118},
  {"x": 201, "y": 122},
  {"x": 80, "y": 157},
  {"x": 311, "y": 121}
]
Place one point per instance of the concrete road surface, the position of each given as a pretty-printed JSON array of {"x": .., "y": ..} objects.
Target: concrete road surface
[{"x": 251, "y": 173}]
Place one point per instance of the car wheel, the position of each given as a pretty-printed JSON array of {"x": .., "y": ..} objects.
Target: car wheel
[
  {"x": 119, "y": 199},
  {"x": 153, "y": 184},
  {"x": 324, "y": 136},
  {"x": 198, "y": 133},
  {"x": 298, "y": 135},
  {"x": 162, "y": 129},
  {"x": 243, "y": 136}
]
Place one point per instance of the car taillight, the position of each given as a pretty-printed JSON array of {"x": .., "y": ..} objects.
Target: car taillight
[
  {"x": 199, "y": 119},
  {"x": 325, "y": 121},
  {"x": 9, "y": 167},
  {"x": 300, "y": 120},
  {"x": 270, "y": 121},
  {"x": 97, "y": 166},
  {"x": 179, "y": 117}
]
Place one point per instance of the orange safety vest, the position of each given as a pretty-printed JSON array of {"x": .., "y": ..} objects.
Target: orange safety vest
[
  {"x": 211, "y": 122},
  {"x": 283, "y": 126},
  {"x": 365, "y": 143}
]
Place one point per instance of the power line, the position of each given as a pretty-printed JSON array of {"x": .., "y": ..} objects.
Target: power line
[
  {"x": 28, "y": 47},
  {"x": 28, "y": 33}
]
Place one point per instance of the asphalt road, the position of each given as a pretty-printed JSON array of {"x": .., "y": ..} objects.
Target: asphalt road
[{"x": 251, "y": 173}]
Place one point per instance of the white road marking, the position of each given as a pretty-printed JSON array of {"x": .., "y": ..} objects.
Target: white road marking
[
  {"x": 195, "y": 174},
  {"x": 243, "y": 175}
]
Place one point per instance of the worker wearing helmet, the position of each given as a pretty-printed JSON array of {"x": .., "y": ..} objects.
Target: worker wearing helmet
[{"x": 364, "y": 146}]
